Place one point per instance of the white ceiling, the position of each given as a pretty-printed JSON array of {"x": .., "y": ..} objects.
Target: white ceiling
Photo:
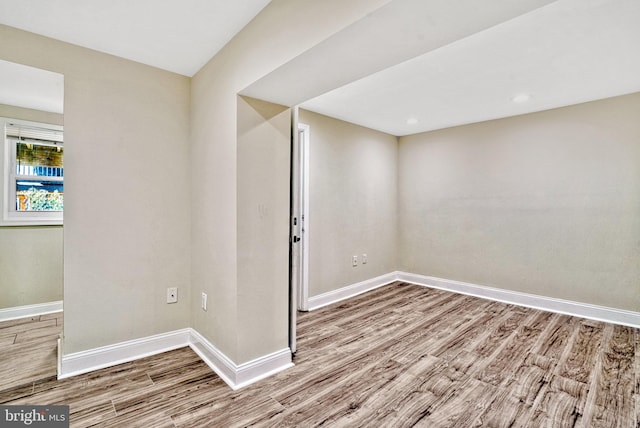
[
  {"x": 567, "y": 52},
  {"x": 396, "y": 32},
  {"x": 441, "y": 62},
  {"x": 175, "y": 35},
  {"x": 30, "y": 87}
]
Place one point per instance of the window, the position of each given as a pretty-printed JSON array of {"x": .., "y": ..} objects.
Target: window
[{"x": 33, "y": 173}]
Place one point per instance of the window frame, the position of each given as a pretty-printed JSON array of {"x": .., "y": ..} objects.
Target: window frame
[{"x": 11, "y": 216}]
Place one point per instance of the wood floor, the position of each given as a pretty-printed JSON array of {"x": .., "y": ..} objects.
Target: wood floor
[
  {"x": 28, "y": 350},
  {"x": 399, "y": 356}
]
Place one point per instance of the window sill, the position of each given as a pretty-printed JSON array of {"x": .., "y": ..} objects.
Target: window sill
[{"x": 30, "y": 222}]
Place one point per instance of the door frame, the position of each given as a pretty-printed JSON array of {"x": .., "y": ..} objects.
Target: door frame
[
  {"x": 303, "y": 191},
  {"x": 299, "y": 225}
]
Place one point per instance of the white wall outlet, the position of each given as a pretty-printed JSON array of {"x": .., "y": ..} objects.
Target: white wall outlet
[
  {"x": 364, "y": 259},
  {"x": 172, "y": 294},
  {"x": 203, "y": 302},
  {"x": 354, "y": 261}
]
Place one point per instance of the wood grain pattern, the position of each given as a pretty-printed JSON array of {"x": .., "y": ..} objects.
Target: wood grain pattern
[
  {"x": 398, "y": 356},
  {"x": 28, "y": 351},
  {"x": 581, "y": 356}
]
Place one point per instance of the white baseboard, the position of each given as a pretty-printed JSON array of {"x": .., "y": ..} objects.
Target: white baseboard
[
  {"x": 239, "y": 376},
  {"x": 343, "y": 293},
  {"x": 583, "y": 310},
  {"x": 123, "y": 352},
  {"x": 214, "y": 358},
  {"x": 235, "y": 375},
  {"x": 263, "y": 367},
  {"x": 30, "y": 310}
]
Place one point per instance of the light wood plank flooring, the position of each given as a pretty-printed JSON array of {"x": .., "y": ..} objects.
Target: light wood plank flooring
[
  {"x": 28, "y": 350},
  {"x": 398, "y": 356}
]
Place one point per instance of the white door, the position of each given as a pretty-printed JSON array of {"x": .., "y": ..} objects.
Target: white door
[
  {"x": 299, "y": 225},
  {"x": 303, "y": 285}
]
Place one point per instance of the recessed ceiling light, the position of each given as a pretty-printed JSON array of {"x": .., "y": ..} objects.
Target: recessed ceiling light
[
  {"x": 412, "y": 121},
  {"x": 521, "y": 98}
]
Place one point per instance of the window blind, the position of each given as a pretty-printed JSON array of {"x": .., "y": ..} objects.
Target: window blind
[{"x": 32, "y": 134}]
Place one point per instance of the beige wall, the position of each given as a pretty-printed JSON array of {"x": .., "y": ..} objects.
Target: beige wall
[
  {"x": 123, "y": 248},
  {"x": 264, "y": 141},
  {"x": 352, "y": 205},
  {"x": 30, "y": 265},
  {"x": 546, "y": 203},
  {"x": 127, "y": 200},
  {"x": 283, "y": 30},
  {"x": 30, "y": 257},
  {"x": 14, "y": 112},
  {"x": 163, "y": 175}
]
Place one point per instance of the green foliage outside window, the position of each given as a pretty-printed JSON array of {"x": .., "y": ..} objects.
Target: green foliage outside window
[{"x": 41, "y": 200}]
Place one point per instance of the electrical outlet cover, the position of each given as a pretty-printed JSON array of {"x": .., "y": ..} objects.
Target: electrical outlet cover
[
  {"x": 203, "y": 303},
  {"x": 172, "y": 294}
]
